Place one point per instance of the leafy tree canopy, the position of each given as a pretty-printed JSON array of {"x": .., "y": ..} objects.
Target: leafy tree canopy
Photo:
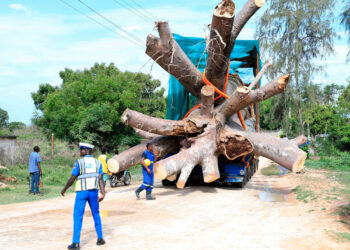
[
  {"x": 4, "y": 118},
  {"x": 88, "y": 105}
]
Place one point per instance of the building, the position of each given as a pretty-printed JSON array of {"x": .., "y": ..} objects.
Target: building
[{"x": 7, "y": 149}]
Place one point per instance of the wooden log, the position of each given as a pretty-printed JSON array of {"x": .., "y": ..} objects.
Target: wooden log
[
  {"x": 244, "y": 15},
  {"x": 210, "y": 168},
  {"x": 282, "y": 151},
  {"x": 162, "y": 126},
  {"x": 203, "y": 146},
  {"x": 167, "y": 53},
  {"x": 300, "y": 140},
  {"x": 219, "y": 46},
  {"x": 133, "y": 156},
  {"x": 234, "y": 144},
  {"x": 243, "y": 97},
  {"x": 144, "y": 134},
  {"x": 207, "y": 101}
]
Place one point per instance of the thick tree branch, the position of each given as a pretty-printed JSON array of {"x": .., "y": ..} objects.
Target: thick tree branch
[
  {"x": 133, "y": 156},
  {"x": 144, "y": 134},
  {"x": 219, "y": 46},
  {"x": 161, "y": 126},
  {"x": 167, "y": 53},
  {"x": 207, "y": 101},
  {"x": 282, "y": 151},
  {"x": 243, "y": 97},
  {"x": 243, "y": 16},
  {"x": 203, "y": 146},
  {"x": 258, "y": 76}
]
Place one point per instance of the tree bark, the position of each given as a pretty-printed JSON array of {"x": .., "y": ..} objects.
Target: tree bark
[
  {"x": 219, "y": 46},
  {"x": 207, "y": 101},
  {"x": 282, "y": 151},
  {"x": 243, "y": 97},
  {"x": 161, "y": 126},
  {"x": 133, "y": 156},
  {"x": 244, "y": 15},
  {"x": 145, "y": 134},
  {"x": 167, "y": 53},
  {"x": 204, "y": 146}
]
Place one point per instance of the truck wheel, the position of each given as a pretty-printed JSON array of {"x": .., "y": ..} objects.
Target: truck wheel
[
  {"x": 112, "y": 183},
  {"x": 242, "y": 184},
  {"x": 127, "y": 179}
]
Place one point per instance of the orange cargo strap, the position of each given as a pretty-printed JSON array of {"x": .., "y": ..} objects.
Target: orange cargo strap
[{"x": 221, "y": 94}]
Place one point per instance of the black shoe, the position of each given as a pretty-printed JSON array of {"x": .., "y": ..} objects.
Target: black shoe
[
  {"x": 149, "y": 196},
  {"x": 74, "y": 246},
  {"x": 137, "y": 192},
  {"x": 100, "y": 242}
]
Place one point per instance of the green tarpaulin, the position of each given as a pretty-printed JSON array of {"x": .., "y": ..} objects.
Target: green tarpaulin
[{"x": 179, "y": 99}]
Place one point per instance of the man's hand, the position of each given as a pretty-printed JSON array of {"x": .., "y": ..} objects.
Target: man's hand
[
  {"x": 156, "y": 153},
  {"x": 101, "y": 197},
  {"x": 148, "y": 171},
  {"x": 41, "y": 173}
]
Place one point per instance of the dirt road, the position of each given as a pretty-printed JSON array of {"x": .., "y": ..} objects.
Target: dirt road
[{"x": 264, "y": 215}]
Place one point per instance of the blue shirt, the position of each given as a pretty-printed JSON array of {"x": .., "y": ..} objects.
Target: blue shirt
[
  {"x": 150, "y": 156},
  {"x": 76, "y": 168},
  {"x": 34, "y": 158}
]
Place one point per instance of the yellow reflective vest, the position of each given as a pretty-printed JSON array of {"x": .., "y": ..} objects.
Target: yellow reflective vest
[
  {"x": 103, "y": 159},
  {"x": 88, "y": 175}
]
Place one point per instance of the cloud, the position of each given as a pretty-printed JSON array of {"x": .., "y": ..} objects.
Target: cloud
[{"x": 19, "y": 7}]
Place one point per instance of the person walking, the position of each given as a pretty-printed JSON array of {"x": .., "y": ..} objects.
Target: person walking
[
  {"x": 149, "y": 157},
  {"x": 34, "y": 170},
  {"x": 88, "y": 173}
]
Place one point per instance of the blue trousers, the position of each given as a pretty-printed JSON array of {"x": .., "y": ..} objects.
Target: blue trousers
[
  {"x": 90, "y": 196},
  {"x": 34, "y": 181},
  {"x": 148, "y": 180}
]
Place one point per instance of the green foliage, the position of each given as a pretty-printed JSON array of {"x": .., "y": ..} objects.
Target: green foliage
[
  {"x": 345, "y": 21},
  {"x": 89, "y": 104},
  {"x": 339, "y": 162},
  {"x": 4, "y": 118},
  {"x": 40, "y": 96},
  {"x": 293, "y": 34},
  {"x": 16, "y": 125}
]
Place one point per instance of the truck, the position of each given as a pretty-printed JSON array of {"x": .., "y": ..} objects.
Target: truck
[{"x": 244, "y": 65}]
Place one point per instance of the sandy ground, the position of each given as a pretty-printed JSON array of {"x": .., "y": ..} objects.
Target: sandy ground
[{"x": 264, "y": 215}]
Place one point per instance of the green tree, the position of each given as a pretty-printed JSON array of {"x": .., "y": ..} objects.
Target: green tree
[
  {"x": 294, "y": 33},
  {"x": 89, "y": 104},
  {"x": 345, "y": 21},
  {"x": 16, "y": 125},
  {"x": 4, "y": 118},
  {"x": 40, "y": 96}
]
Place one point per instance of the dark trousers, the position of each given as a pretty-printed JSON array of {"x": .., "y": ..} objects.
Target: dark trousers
[{"x": 35, "y": 178}]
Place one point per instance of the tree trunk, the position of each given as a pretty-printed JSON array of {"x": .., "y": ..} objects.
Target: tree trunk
[
  {"x": 133, "y": 156},
  {"x": 209, "y": 131},
  {"x": 219, "y": 47},
  {"x": 167, "y": 53}
]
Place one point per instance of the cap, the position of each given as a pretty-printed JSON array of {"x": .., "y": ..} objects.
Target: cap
[{"x": 85, "y": 145}]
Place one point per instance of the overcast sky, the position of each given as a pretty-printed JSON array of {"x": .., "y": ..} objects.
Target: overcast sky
[{"x": 41, "y": 38}]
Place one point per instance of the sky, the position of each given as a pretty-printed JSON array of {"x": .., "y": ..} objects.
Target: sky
[{"x": 41, "y": 38}]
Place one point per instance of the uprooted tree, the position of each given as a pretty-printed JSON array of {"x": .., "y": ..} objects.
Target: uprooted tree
[{"x": 214, "y": 129}]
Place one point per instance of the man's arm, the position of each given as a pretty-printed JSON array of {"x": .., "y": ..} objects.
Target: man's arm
[
  {"x": 69, "y": 183},
  {"x": 102, "y": 188},
  {"x": 41, "y": 173}
]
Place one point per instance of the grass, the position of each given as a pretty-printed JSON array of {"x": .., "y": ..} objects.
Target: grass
[
  {"x": 270, "y": 170},
  {"x": 342, "y": 236},
  {"x": 305, "y": 195}
]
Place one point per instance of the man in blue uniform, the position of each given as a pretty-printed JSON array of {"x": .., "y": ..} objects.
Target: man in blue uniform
[
  {"x": 149, "y": 157},
  {"x": 89, "y": 175}
]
